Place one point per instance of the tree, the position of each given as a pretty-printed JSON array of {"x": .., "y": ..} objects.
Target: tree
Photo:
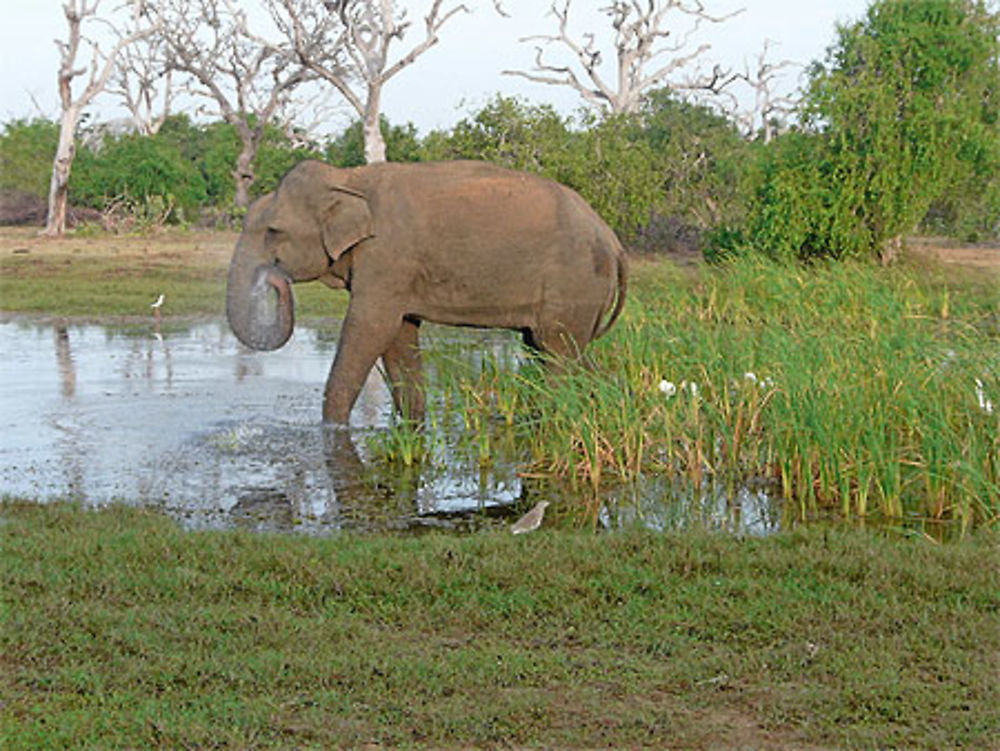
[
  {"x": 247, "y": 80},
  {"x": 908, "y": 100},
  {"x": 144, "y": 84},
  {"x": 402, "y": 144},
  {"x": 101, "y": 66},
  {"x": 348, "y": 44},
  {"x": 643, "y": 57},
  {"x": 903, "y": 113},
  {"x": 768, "y": 106}
]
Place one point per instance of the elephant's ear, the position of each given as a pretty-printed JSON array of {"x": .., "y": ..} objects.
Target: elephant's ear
[{"x": 346, "y": 221}]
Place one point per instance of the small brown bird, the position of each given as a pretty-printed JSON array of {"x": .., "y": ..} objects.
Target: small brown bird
[{"x": 530, "y": 521}]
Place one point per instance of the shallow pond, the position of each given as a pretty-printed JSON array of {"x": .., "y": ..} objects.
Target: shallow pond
[{"x": 186, "y": 420}]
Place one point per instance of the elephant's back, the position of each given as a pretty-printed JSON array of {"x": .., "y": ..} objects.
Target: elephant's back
[{"x": 470, "y": 203}]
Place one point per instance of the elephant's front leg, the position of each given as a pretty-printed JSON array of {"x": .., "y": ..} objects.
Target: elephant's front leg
[
  {"x": 402, "y": 364},
  {"x": 367, "y": 334}
]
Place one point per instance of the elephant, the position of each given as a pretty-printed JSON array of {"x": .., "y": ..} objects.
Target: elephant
[{"x": 459, "y": 243}]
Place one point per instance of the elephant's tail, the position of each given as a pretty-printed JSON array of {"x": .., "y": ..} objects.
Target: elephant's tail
[{"x": 602, "y": 327}]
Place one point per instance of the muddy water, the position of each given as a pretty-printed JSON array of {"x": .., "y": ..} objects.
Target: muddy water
[{"x": 188, "y": 421}]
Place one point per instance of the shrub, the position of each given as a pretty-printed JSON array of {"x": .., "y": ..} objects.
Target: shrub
[
  {"x": 903, "y": 113},
  {"x": 138, "y": 168},
  {"x": 27, "y": 148}
]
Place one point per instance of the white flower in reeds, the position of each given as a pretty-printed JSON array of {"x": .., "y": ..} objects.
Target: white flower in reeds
[
  {"x": 667, "y": 388},
  {"x": 984, "y": 404},
  {"x": 763, "y": 383},
  {"x": 692, "y": 387}
]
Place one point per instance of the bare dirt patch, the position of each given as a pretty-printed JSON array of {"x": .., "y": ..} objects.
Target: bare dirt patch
[
  {"x": 948, "y": 251},
  {"x": 170, "y": 248}
]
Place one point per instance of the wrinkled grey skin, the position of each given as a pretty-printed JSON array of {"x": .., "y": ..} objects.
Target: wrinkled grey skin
[{"x": 460, "y": 243}]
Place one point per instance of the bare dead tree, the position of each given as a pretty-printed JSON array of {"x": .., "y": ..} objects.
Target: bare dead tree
[
  {"x": 348, "y": 43},
  {"x": 647, "y": 52},
  {"x": 99, "y": 70},
  {"x": 245, "y": 82},
  {"x": 768, "y": 106},
  {"x": 144, "y": 84}
]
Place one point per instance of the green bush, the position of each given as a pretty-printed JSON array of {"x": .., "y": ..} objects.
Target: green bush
[
  {"x": 27, "y": 148},
  {"x": 901, "y": 117},
  {"x": 402, "y": 144},
  {"x": 703, "y": 160},
  {"x": 137, "y": 167},
  {"x": 511, "y": 133}
]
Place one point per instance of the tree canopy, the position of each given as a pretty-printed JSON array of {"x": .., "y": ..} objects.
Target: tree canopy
[
  {"x": 903, "y": 112},
  {"x": 898, "y": 125}
]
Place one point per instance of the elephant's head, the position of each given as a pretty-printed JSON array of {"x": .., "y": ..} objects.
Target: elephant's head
[{"x": 291, "y": 235}]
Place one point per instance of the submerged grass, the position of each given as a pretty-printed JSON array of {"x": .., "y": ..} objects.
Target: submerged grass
[
  {"x": 852, "y": 388},
  {"x": 119, "y": 630}
]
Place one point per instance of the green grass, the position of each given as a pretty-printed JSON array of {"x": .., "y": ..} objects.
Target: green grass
[
  {"x": 99, "y": 276},
  {"x": 848, "y": 387},
  {"x": 120, "y": 630},
  {"x": 100, "y": 288}
]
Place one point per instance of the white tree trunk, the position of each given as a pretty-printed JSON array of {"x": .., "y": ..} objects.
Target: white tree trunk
[
  {"x": 76, "y": 13},
  {"x": 55, "y": 222},
  {"x": 374, "y": 142},
  {"x": 243, "y": 174}
]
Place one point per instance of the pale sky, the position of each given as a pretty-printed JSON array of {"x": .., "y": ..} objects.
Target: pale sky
[{"x": 463, "y": 71}]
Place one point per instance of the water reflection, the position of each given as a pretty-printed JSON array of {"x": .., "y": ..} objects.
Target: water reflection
[
  {"x": 64, "y": 360},
  {"x": 188, "y": 421},
  {"x": 746, "y": 509}
]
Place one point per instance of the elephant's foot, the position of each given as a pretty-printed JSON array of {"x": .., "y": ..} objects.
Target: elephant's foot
[{"x": 336, "y": 410}]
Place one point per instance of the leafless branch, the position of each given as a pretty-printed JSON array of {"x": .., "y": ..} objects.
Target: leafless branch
[
  {"x": 350, "y": 47},
  {"x": 102, "y": 64},
  {"x": 644, "y": 57},
  {"x": 768, "y": 106},
  {"x": 145, "y": 84},
  {"x": 246, "y": 80}
]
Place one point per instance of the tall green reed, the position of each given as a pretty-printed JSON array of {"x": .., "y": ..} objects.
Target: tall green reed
[{"x": 852, "y": 388}]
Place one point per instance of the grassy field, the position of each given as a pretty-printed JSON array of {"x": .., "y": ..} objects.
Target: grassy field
[
  {"x": 868, "y": 396},
  {"x": 121, "y": 631},
  {"x": 99, "y": 275}
]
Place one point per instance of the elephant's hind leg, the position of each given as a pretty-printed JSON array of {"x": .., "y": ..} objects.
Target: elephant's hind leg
[
  {"x": 402, "y": 364},
  {"x": 557, "y": 340}
]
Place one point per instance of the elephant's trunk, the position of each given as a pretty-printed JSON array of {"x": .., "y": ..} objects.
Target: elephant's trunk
[{"x": 259, "y": 304}]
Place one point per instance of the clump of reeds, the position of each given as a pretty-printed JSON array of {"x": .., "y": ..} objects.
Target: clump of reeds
[{"x": 850, "y": 387}]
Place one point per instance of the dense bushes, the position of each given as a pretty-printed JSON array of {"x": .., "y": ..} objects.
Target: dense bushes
[
  {"x": 899, "y": 125},
  {"x": 27, "y": 148},
  {"x": 659, "y": 179},
  {"x": 132, "y": 167}
]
